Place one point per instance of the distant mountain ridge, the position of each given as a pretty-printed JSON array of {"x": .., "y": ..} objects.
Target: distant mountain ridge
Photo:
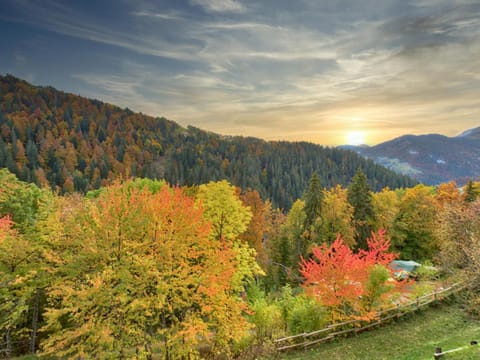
[
  {"x": 473, "y": 134},
  {"x": 72, "y": 143},
  {"x": 431, "y": 158}
]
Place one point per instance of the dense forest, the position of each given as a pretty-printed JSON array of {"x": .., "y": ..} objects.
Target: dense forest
[{"x": 71, "y": 143}]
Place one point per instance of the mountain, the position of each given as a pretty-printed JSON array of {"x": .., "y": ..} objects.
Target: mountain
[
  {"x": 471, "y": 134},
  {"x": 72, "y": 143},
  {"x": 432, "y": 158}
]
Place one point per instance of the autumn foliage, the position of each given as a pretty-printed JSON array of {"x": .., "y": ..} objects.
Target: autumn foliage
[
  {"x": 342, "y": 280},
  {"x": 140, "y": 269},
  {"x": 5, "y": 225}
]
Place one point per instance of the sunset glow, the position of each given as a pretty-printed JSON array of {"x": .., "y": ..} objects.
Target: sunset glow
[
  {"x": 355, "y": 138},
  {"x": 328, "y": 72}
]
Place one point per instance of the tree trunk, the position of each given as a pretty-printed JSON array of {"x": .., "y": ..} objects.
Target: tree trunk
[
  {"x": 33, "y": 338},
  {"x": 8, "y": 339}
]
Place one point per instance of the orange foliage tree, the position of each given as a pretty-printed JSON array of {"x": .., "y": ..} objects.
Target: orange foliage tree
[
  {"x": 350, "y": 285},
  {"x": 140, "y": 270}
]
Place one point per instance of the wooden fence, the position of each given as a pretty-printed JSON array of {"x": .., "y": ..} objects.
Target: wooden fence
[
  {"x": 302, "y": 341},
  {"x": 438, "y": 354}
]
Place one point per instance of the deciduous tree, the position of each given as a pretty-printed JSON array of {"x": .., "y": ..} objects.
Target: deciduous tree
[
  {"x": 141, "y": 269},
  {"x": 337, "y": 216},
  {"x": 339, "y": 278},
  {"x": 414, "y": 229}
]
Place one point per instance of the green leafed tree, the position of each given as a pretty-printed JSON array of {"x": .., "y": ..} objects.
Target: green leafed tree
[
  {"x": 414, "y": 230},
  {"x": 22, "y": 274},
  {"x": 224, "y": 209},
  {"x": 229, "y": 218}
]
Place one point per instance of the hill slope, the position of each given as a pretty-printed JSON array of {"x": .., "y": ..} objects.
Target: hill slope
[
  {"x": 416, "y": 338},
  {"x": 73, "y": 143},
  {"x": 431, "y": 159}
]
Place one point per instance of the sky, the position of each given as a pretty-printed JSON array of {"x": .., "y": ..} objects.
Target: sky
[{"x": 330, "y": 72}]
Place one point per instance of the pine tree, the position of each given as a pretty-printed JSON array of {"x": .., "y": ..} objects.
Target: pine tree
[
  {"x": 313, "y": 201},
  {"x": 359, "y": 196},
  {"x": 470, "y": 195},
  {"x": 313, "y": 208}
]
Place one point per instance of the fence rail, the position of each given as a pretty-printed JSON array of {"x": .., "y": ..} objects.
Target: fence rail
[
  {"x": 438, "y": 354},
  {"x": 355, "y": 326}
]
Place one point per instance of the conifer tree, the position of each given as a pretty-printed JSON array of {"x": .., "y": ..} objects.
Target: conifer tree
[
  {"x": 470, "y": 195},
  {"x": 359, "y": 196},
  {"x": 313, "y": 201},
  {"x": 313, "y": 208}
]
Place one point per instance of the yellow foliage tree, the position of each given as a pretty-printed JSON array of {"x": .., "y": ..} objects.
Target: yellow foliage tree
[{"x": 140, "y": 269}]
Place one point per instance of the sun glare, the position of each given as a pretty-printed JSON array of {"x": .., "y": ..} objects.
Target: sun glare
[{"x": 355, "y": 137}]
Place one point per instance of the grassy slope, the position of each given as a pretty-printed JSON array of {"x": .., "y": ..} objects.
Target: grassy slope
[{"x": 412, "y": 338}]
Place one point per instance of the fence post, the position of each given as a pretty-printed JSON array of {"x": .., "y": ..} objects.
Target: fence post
[{"x": 438, "y": 353}]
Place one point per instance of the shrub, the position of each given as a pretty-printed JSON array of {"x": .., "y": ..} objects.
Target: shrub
[
  {"x": 427, "y": 272},
  {"x": 268, "y": 320},
  {"x": 305, "y": 315}
]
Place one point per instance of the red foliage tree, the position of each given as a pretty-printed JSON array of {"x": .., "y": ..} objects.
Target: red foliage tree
[
  {"x": 341, "y": 279},
  {"x": 5, "y": 226}
]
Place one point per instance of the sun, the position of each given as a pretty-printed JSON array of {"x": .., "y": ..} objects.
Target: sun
[{"x": 355, "y": 137}]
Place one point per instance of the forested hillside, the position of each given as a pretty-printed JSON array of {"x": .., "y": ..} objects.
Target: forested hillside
[
  {"x": 432, "y": 159},
  {"x": 76, "y": 144}
]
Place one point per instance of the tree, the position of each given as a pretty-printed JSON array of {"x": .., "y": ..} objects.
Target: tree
[
  {"x": 17, "y": 283},
  {"x": 313, "y": 209},
  {"x": 448, "y": 194},
  {"x": 414, "y": 228},
  {"x": 385, "y": 205},
  {"x": 223, "y": 208},
  {"x": 136, "y": 268},
  {"x": 21, "y": 262},
  {"x": 457, "y": 229},
  {"x": 21, "y": 201},
  {"x": 459, "y": 240},
  {"x": 348, "y": 283},
  {"x": 337, "y": 214},
  {"x": 471, "y": 248},
  {"x": 470, "y": 192},
  {"x": 278, "y": 249},
  {"x": 359, "y": 196},
  {"x": 294, "y": 228},
  {"x": 21, "y": 290},
  {"x": 229, "y": 218},
  {"x": 257, "y": 228}
]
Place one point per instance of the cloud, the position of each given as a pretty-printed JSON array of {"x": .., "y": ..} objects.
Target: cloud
[
  {"x": 62, "y": 19},
  {"x": 172, "y": 15},
  {"x": 284, "y": 71},
  {"x": 220, "y": 5}
]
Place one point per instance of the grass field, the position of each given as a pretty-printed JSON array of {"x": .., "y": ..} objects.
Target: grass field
[{"x": 414, "y": 338}]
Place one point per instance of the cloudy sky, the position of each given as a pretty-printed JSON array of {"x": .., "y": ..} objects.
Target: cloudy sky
[{"x": 325, "y": 71}]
